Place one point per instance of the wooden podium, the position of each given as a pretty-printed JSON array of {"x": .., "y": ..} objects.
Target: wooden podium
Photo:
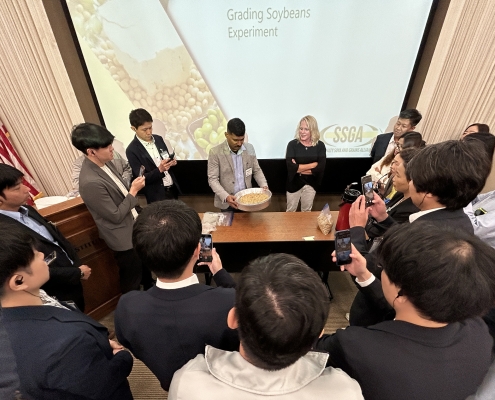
[{"x": 101, "y": 290}]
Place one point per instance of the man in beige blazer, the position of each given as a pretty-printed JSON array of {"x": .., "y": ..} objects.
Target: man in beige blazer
[
  {"x": 231, "y": 166},
  {"x": 109, "y": 199}
]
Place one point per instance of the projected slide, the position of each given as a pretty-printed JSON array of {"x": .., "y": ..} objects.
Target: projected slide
[{"x": 195, "y": 64}]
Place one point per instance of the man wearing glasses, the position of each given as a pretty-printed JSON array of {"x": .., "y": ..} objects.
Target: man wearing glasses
[{"x": 66, "y": 271}]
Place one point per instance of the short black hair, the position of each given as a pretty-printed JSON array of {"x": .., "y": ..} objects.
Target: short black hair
[
  {"x": 165, "y": 235},
  {"x": 281, "y": 307},
  {"x": 17, "y": 251},
  {"x": 408, "y": 154},
  {"x": 139, "y": 116},
  {"x": 236, "y": 127},
  {"x": 447, "y": 275},
  {"x": 454, "y": 171},
  {"x": 412, "y": 139},
  {"x": 412, "y": 115},
  {"x": 486, "y": 138},
  {"x": 90, "y": 136},
  {"x": 9, "y": 177}
]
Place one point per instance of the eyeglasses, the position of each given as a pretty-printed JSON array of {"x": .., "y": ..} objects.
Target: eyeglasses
[{"x": 51, "y": 257}]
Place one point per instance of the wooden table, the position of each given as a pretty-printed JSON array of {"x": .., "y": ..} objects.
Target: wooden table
[{"x": 252, "y": 235}]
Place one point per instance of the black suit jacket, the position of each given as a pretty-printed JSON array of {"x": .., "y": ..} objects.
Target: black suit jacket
[
  {"x": 400, "y": 214},
  {"x": 370, "y": 306},
  {"x": 65, "y": 277},
  {"x": 167, "y": 328},
  {"x": 380, "y": 146},
  {"x": 137, "y": 155},
  {"x": 64, "y": 354},
  {"x": 399, "y": 360}
]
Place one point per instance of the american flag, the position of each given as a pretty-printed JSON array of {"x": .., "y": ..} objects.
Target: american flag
[{"x": 9, "y": 156}]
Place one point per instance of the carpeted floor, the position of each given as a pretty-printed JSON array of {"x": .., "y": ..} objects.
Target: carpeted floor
[{"x": 145, "y": 386}]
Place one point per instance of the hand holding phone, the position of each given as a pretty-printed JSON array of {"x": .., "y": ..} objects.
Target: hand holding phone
[
  {"x": 141, "y": 171},
  {"x": 343, "y": 247},
  {"x": 205, "y": 253},
  {"x": 367, "y": 183}
]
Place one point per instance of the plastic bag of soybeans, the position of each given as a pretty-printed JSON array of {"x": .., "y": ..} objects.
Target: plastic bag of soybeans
[{"x": 325, "y": 220}]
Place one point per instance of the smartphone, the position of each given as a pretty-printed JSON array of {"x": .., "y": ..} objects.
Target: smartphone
[
  {"x": 205, "y": 254},
  {"x": 343, "y": 247},
  {"x": 367, "y": 189},
  {"x": 141, "y": 171}
]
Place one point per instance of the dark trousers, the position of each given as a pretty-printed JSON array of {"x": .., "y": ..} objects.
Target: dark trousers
[
  {"x": 170, "y": 193},
  {"x": 129, "y": 270}
]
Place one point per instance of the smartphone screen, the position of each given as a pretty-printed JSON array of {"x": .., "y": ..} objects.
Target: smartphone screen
[
  {"x": 141, "y": 170},
  {"x": 367, "y": 189},
  {"x": 206, "y": 248},
  {"x": 343, "y": 247}
]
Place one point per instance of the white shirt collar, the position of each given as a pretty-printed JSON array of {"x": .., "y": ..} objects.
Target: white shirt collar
[
  {"x": 239, "y": 152},
  {"x": 192, "y": 280},
  {"x": 145, "y": 143},
  {"x": 415, "y": 216}
]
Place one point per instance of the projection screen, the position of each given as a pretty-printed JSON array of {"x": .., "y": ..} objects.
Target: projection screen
[{"x": 194, "y": 64}]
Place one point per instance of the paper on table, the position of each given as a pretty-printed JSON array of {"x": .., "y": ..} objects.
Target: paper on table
[{"x": 308, "y": 237}]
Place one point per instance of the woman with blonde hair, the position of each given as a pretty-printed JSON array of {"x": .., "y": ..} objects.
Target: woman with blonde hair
[{"x": 306, "y": 158}]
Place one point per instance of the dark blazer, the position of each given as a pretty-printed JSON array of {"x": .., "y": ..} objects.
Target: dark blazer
[
  {"x": 108, "y": 206},
  {"x": 65, "y": 277},
  {"x": 380, "y": 146},
  {"x": 400, "y": 214},
  {"x": 167, "y": 328},
  {"x": 64, "y": 354},
  {"x": 399, "y": 360},
  {"x": 9, "y": 378},
  {"x": 137, "y": 155},
  {"x": 370, "y": 306}
]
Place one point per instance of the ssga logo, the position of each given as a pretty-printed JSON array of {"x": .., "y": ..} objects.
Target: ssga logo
[{"x": 349, "y": 138}]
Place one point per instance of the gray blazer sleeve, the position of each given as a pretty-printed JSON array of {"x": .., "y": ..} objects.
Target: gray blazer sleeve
[
  {"x": 96, "y": 197},
  {"x": 214, "y": 176}
]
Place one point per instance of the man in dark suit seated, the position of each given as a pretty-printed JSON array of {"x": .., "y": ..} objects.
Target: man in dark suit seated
[
  {"x": 66, "y": 271},
  {"x": 172, "y": 322},
  {"x": 151, "y": 152},
  {"x": 60, "y": 352},
  {"x": 439, "y": 281},
  {"x": 443, "y": 178},
  {"x": 386, "y": 142}
]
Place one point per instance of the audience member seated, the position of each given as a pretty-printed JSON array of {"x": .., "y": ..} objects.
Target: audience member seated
[
  {"x": 400, "y": 206},
  {"x": 66, "y": 271},
  {"x": 60, "y": 352},
  {"x": 443, "y": 178},
  {"x": 280, "y": 310},
  {"x": 439, "y": 282},
  {"x": 475, "y": 128},
  {"x": 172, "y": 322},
  {"x": 380, "y": 171},
  {"x": 385, "y": 143},
  {"x": 121, "y": 164}
]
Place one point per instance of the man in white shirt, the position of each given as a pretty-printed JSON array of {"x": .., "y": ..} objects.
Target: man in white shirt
[
  {"x": 170, "y": 323},
  {"x": 109, "y": 200},
  {"x": 150, "y": 152}
]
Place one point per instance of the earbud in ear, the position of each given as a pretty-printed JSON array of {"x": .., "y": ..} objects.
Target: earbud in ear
[{"x": 18, "y": 281}]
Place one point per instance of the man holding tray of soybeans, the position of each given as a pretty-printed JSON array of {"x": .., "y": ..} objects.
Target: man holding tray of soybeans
[{"x": 231, "y": 166}]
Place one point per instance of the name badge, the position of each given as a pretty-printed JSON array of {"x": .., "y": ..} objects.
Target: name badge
[{"x": 249, "y": 172}]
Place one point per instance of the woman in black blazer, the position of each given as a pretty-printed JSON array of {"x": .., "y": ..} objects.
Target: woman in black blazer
[
  {"x": 439, "y": 282},
  {"x": 401, "y": 205}
]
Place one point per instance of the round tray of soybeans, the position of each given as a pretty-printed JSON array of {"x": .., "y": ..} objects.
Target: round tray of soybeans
[{"x": 254, "y": 199}]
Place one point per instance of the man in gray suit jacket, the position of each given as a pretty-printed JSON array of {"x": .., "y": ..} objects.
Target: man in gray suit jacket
[
  {"x": 109, "y": 200},
  {"x": 231, "y": 165}
]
